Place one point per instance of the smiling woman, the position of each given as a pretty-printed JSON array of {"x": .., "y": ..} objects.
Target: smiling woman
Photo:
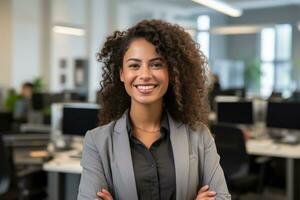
[
  {"x": 186, "y": 97},
  {"x": 153, "y": 142}
]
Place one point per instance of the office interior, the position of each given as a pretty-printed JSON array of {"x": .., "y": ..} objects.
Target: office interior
[{"x": 253, "y": 64}]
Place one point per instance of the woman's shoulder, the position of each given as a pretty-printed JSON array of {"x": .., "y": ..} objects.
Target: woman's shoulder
[
  {"x": 199, "y": 129},
  {"x": 101, "y": 132},
  {"x": 199, "y": 133}
]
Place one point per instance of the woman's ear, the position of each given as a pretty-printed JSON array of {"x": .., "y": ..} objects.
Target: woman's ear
[{"x": 121, "y": 74}]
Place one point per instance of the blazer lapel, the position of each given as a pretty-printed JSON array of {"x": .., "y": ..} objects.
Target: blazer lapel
[
  {"x": 180, "y": 146},
  {"x": 124, "y": 161}
]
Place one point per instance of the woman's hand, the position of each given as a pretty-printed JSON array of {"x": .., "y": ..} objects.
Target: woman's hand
[
  {"x": 205, "y": 194},
  {"x": 104, "y": 194}
]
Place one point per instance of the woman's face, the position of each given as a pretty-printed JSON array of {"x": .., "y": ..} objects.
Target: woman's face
[{"x": 144, "y": 73}]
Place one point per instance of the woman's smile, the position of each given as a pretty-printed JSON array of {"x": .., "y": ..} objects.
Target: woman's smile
[{"x": 145, "y": 89}]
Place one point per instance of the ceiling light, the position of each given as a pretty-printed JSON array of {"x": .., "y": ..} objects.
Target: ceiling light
[
  {"x": 68, "y": 30},
  {"x": 235, "y": 30},
  {"x": 221, "y": 7}
]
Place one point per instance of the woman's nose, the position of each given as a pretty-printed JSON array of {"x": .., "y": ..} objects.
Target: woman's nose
[{"x": 145, "y": 72}]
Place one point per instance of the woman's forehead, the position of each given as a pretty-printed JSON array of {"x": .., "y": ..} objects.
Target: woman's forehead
[{"x": 141, "y": 48}]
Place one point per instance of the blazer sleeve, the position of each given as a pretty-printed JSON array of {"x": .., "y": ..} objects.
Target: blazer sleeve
[
  {"x": 212, "y": 172},
  {"x": 92, "y": 176}
]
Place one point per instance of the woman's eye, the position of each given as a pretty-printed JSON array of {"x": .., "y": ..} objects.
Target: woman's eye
[
  {"x": 134, "y": 66},
  {"x": 157, "y": 65}
]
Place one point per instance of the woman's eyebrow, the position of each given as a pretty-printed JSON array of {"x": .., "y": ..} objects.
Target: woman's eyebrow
[
  {"x": 134, "y": 59},
  {"x": 157, "y": 58},
  {"x": 139, "y": 60}
]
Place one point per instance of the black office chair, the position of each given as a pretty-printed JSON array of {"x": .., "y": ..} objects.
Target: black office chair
[
  {"x": 4, "y": 169},
  {"x": 6, "y": 121},
  {"x": 235, "y": 161},
  {"x": 19, "y": 184},
  {"x": 295, "y": 96}
]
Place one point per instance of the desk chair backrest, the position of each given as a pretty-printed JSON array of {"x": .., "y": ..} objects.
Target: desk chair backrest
[
  {"x": 231, "y": 147},
  {"x": 4, "y": 168}
]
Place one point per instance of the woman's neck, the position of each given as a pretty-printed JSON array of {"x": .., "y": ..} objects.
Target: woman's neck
[{"x": 146, "y": 117}]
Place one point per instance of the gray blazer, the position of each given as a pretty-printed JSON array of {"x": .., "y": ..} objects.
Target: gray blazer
[{"x": 107, "y": 163}]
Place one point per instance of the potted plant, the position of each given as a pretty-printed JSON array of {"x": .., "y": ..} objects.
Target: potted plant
[{"x": 252, "y": 75}]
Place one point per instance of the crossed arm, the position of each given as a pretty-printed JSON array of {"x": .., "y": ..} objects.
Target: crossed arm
[{"x": 203, "y": 194}]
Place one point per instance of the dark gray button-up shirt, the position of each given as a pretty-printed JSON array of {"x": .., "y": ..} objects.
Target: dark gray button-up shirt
[{"x": 154, "y": 168}]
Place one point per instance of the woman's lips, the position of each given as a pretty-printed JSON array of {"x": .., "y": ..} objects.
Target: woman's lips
[{"x": 145, "y": 88}]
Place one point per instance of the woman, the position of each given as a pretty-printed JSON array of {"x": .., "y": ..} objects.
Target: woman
[{"x": 153, "y": 142}]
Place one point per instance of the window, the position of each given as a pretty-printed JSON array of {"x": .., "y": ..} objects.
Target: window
[
  {"x": 267, "y": 55},
  {"x": 275, "y": 57},
  {"x": 203, "y": 25}
]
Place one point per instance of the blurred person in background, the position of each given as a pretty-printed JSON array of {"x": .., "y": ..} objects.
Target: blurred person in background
[{"x": 23, "y": 103}]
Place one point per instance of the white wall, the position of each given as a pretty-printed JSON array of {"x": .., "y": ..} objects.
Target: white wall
[
  {"x": 98, "y": 18},
  {"x": 102, "y": 22},
  {"x": 123, "y": 10},
  {"x": 69, "y": 47},
  {"x": 65, "y": 47},
  {"x": 45, "y": 43},
  {"x": 71, "y": 12},
  {"x": 5, "y": 41},
  {"x": 26, "y": 40}
]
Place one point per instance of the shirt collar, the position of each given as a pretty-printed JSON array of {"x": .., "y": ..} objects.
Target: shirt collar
[{"x": 164, "y": 124}]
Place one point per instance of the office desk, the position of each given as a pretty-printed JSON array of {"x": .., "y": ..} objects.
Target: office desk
[
  {"x": 291, "y": 153},
  {"x": 20, "y": 146},
  {"x": 26, "y": 139},
  {"x": 63, "y": 176},
  {"x": 63, "y": 164}
]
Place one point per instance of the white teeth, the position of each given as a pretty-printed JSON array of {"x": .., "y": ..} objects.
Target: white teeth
[{"x": 145, "y": 87}]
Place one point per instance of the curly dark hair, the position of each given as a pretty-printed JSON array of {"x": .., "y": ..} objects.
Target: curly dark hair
[{"x": 186, "y": 97}]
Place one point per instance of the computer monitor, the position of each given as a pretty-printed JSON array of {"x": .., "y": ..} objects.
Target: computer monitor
[
  {"x": 40, "y": 101},
  {"x": 240, "y": 92},
  {"x": 283, "y": 115},
  {"x": 77, "y": 119},
  {"x": 235, "y": 112}
]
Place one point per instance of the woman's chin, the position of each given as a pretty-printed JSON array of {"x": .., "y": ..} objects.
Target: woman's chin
[{"x": 147, "y": 100}]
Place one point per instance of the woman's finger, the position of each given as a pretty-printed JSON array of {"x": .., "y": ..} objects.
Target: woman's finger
[
  {"x": 104, "y": 194},
  {"x": 206, "y": 194},
  {"x": 107, "y": 193},
  {"x": 205, "y": 198},
  {"x": 204, "y": 188}
]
